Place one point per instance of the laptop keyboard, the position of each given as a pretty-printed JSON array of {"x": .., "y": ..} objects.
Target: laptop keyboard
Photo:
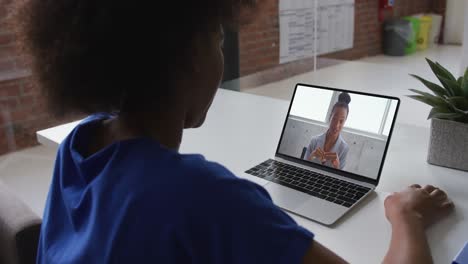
[{"x": 316, "y": 184}]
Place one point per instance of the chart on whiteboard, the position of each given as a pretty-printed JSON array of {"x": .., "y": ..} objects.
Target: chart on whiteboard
[{"x": 334, "y": 22}]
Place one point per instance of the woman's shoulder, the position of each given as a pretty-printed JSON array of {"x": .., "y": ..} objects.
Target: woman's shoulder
[
  {"x": 316, "y": 138},
  {"x": 203, "y": 169},
  {"x": 173, "y": 166},
  {"x": 215, "y": 179},
  {"x": 208, "y": 185},
  {"x": 343, "y": 144},
  {"x": 188, "y": 171}
]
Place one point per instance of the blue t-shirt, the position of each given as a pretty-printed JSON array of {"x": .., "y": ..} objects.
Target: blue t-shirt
[{"x": 136, "y": 201}]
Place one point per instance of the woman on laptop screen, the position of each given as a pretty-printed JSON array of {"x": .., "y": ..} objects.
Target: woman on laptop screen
[{"x": 330, "y": 148}]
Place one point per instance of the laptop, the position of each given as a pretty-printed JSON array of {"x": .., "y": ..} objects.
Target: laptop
[{"x": 331, "y": 151}]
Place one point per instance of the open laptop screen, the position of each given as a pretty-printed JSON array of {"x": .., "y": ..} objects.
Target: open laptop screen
[{"x": 339, "y": 129}]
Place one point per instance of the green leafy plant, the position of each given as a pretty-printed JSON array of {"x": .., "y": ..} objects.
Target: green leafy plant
[{"x": 450, "y": 99}]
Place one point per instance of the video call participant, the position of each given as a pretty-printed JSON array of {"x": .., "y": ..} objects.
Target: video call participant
[{"x": 330, "y": 148}]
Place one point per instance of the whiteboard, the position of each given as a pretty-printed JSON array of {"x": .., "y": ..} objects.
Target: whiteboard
[{"x": 334, "y": 27}]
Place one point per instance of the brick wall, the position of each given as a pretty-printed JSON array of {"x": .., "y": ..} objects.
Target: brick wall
[
  {"x": 22, "y": 113},
  {"x": 22, "y": 108},
  {"x": 7, "y": 56},
  {"x": 259, "y": 41}
]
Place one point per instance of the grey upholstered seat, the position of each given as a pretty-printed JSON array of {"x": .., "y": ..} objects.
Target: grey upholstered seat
[{"x": 19, "y": 229}]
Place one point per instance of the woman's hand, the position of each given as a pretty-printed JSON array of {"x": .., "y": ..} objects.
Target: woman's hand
[
  {"x": 415, "y": 204},
  {"x": 323, "y": 156},
  {"x": 333, "y": 157},
  {"x": 410, "y": 212},
  {"x": 319, "y": 154}
]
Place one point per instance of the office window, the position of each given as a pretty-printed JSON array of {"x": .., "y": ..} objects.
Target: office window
[
  {"x": 391, "y": 115},
  {"x": 312, "y": 103},
  {"x": 366, "y": 113}
]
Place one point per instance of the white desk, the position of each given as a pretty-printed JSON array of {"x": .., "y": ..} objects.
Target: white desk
[{"x": 242, "y": 130}]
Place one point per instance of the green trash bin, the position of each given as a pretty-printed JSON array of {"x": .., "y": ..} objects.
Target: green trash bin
[{"x": 412, "y": 44}]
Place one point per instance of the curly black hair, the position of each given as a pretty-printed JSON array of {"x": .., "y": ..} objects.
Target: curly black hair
[{"x": 114, "y": 55}]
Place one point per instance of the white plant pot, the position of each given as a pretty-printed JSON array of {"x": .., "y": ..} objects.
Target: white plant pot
[{"x": 448, "y": 145}]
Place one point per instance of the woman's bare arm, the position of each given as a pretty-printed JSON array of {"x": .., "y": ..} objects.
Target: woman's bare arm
[{"x": 409, "y": 213}]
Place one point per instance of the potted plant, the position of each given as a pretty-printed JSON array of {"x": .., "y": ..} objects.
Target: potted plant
[{"x": 448, "y": 144}]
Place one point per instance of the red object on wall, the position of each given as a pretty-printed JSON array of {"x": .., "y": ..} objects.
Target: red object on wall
[{"x": 385, "y": 5}]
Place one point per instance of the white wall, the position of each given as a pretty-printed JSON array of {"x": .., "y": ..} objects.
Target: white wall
[
  {"x": 464, "y": 60},
  {"x": 364, "y": 156},
  {"x": 454, "y": 16}
]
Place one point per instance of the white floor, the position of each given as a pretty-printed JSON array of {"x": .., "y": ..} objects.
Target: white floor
[{"x": 28, "y": 172}]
